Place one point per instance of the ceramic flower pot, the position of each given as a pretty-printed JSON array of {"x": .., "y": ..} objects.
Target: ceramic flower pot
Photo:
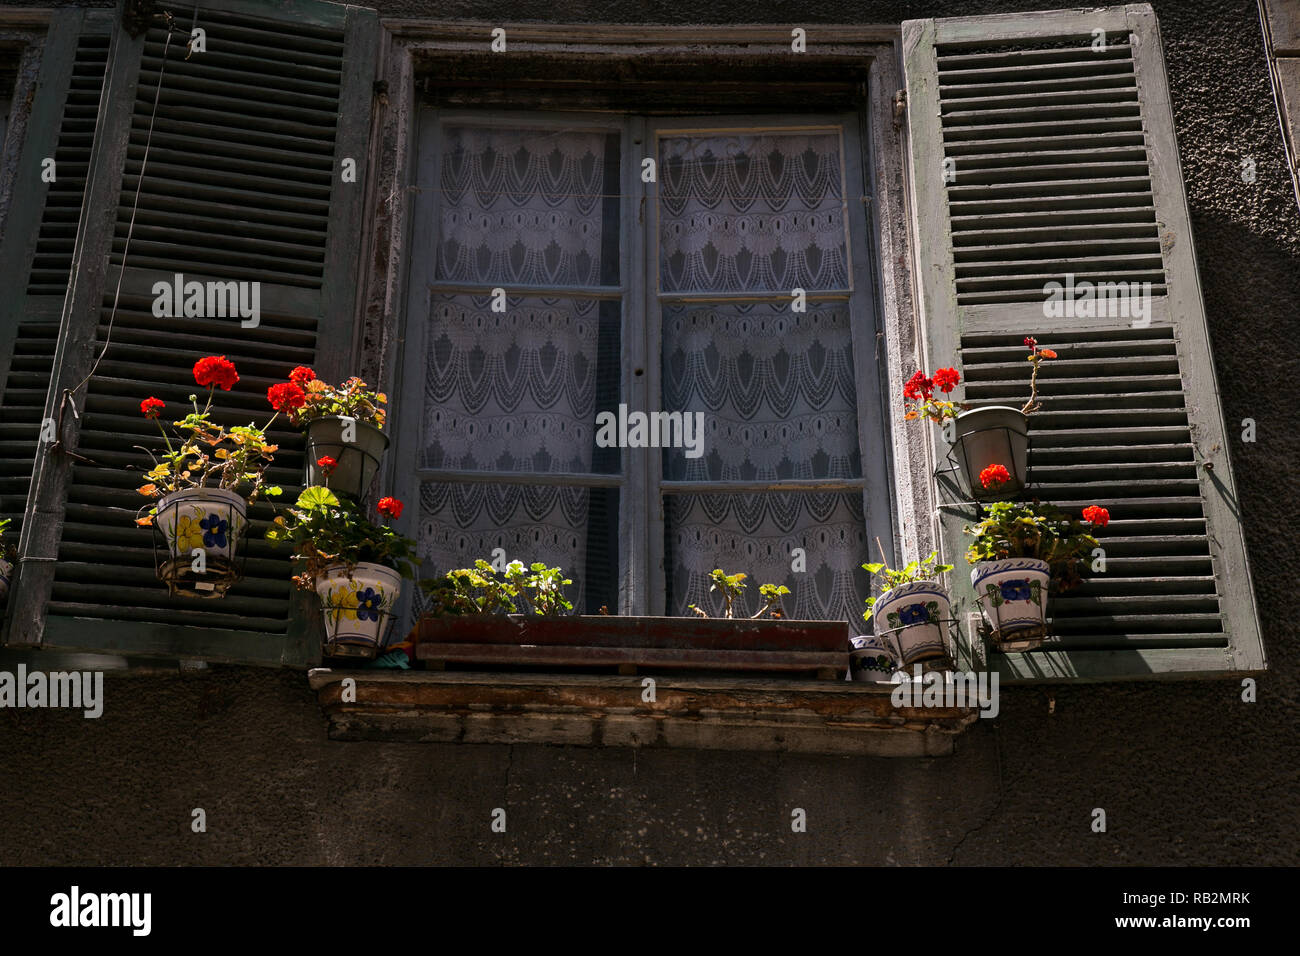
[
  {"x": 871, "y": 659},
  {"x": 1012, "y": 595},
  {"x": 995, "y": 435},
  {"x": 914, "y": 617},
  {"x": 358, "y": 449},
  {"x": 6, "y": 572},
  {"x": 358, "y": 607},
  {"x": 209, "y": 519}
]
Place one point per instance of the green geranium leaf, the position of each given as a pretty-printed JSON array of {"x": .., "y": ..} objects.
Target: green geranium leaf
[{"x": 317, "y": 497}]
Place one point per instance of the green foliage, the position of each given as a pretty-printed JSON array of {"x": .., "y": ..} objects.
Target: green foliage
[
  {"x": 202, "y": 453},
  {"x": 352, "y": 399},
  {"x": 8, "y": 550},
  {"x": 732, "y": 586},
  {"x": 924, "y": 570},
  {"x": 324, "y": 531},
  {"x": 483, "y": 589},
  {"x": 1012, "y": 529}
]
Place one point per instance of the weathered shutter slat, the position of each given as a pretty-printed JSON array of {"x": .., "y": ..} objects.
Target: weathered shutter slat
[
  {"x": 242, "y": 183},
  {"x": 1036, "y": 155}
]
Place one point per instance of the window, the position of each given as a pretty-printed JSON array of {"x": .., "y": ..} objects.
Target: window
[{"x": 670, "y": 376}]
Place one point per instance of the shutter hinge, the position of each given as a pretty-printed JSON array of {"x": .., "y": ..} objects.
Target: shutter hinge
[
  {"x": 900, "y": 107},
  {"x": 381, "y": 92}
]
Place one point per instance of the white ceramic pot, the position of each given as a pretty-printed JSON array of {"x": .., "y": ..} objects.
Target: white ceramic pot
[
  {"x": 871, "y": 659},
  {"x": 358, "y": 607},
  {"x": 6, "y": 572},
  {"x": 994, "y": 435},
  {"x": 1012, "y": 595},
  {"x": 213, "y": 519},
  {"x": 358, "y": 458},
  {"x": 913, "y": 616}
]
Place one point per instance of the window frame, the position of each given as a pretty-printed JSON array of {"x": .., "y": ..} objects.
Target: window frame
[{"x": 643, "y": 579}]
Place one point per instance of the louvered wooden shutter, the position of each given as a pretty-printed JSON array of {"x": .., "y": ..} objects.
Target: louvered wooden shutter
[
  {"x": 1042, "y": 145},
  {"x": 36, "y": 247},
  {"x": 243, "y": 182}
]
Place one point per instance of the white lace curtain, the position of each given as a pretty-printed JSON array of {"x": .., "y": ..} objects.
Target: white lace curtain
[
  {"x": 516, "y": 393},
  {"x": 513, "y": 392},
  {"x": 751, "y": 212}
]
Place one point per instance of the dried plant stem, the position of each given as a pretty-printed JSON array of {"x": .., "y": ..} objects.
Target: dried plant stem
[{"x": 1032, "y": 404}]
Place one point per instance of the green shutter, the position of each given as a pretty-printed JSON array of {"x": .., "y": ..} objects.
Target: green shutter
[
  {"x": 1061, "y": 159},
  {"x": 40, "y": 228},
  {"x": 243, "y": 182}
]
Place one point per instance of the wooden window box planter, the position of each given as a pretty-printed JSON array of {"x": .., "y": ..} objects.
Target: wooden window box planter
[
  {"x": 751, "y": 713},
  {"x": 816, "y": 648}
]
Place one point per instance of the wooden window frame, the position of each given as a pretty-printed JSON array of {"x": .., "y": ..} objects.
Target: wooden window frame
[{"x": 885, "y": 257}]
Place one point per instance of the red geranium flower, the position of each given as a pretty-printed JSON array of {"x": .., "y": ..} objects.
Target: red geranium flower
[
  {"x": 215, "y": 370},
  {"x": 994, "y": 475},
  {"x": 286, "y": 397},
  {"x": 326, "y": 463},
  {"x": 152, "y": 407},
  {"x": 389, "y": 507},
  {"x": 302, "y": 375},
  {"x": 918, "y": 386},
  {"x": 1097, "y": 517},
  {"x": 1030, "y": 342},
  {"x": 946, "y": 379},
  {"x": 1047, "y": 353}
]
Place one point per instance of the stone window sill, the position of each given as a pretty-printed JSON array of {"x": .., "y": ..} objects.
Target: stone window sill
[{"x": 586, "y": 710}]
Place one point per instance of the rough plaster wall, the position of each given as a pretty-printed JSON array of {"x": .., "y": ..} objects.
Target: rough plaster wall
[{"x": 1186, "y": 773}]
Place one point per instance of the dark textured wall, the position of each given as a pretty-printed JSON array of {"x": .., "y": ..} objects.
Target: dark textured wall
[{"x": 1186, "y": 772}]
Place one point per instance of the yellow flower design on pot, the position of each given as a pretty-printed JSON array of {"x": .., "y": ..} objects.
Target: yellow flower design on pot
[
  {"x": 188, "y": 534},
  {"x": 346, "y": 601}
]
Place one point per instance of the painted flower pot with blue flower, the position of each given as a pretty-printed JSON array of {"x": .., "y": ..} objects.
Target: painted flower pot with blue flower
[
  {"x": 871, "y": 659},
  {"x": 354, "y": 565},
  {"x": 207, "y": 520},
  {"x": 1012, "y": 594},
  {"x": 357, "y": 604},
  {"x": 1022, "y": 552},
  {"x": 912, "y": 612},
  {"x": 205, "y": 474},
  {"x": 915, "y": 617}
]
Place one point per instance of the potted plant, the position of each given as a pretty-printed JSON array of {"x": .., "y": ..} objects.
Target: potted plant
[
  {"x": 202, "y": 484},
  {"x": 912, "y": 610},
  {"x": 355, "y": 566},
  {"x": 345, "y": 443},
  {"x": 732, "y": 586},
  {"x": 871, "y": 659},
  {"x": 8, "y": 555},
  {"x": 983, "y": 436},
  {"x": 518, "y": 615},
  {"x": 1020, "y": 554}
]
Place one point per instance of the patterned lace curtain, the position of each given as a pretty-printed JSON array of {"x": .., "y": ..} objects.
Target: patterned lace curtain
[
  {"x": 761, "y": 213},
  {"x": 751, "y": 212},
  {"x": 515, "y": 392}
]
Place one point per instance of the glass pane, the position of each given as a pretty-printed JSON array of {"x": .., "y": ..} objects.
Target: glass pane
[
  {"x": 530, "y": 207},
  {"x": 518, "y": 391},
  {"x": 575, "y": 529},
  {"x": 756, "y": 534},
  {"x": 775, "y": 389},
  {"x": 752, "y": 212}
]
